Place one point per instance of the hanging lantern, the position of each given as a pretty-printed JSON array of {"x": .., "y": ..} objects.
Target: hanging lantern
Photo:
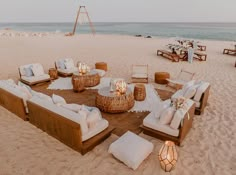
[{"x": 168, "y": 156}]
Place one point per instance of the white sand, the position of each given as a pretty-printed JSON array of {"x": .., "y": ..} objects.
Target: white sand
[{"x": 209, "y": 148}]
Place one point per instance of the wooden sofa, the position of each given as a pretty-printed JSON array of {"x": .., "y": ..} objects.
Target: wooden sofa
[
  {"x": 183, "y": 130},
  {"x": 64, "y": 72},
  {"x": 13, "y": 103},
  {"x": 169, "y": 55},
  {"x": 65, "y": 130}
]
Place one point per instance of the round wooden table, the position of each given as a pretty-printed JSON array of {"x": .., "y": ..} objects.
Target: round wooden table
[
  {"x": 91, "y": 78},
  {"x": 53, "y": 73},
  {"x": 160, "y": 77},
  {"x": 113, "y": 102}
]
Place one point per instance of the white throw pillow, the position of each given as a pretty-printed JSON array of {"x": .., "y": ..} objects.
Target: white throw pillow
[
  {"x": 131, "y": 149},
  {"x": 188, "y": 85},
  {"x": 190, "y": 92},
  {"x": 93, "y": 117},
  {"x": 72, "y": 107},
  {"x": 85, "y": 109},
  {"x": 160, "y": 108},
  {"x": 83, "y": 123},
  {"x": 58, "y": 100},
  {"x": 167, "y": 115},
  {"x": 42, "y": 96},
  {"x": 37, "y": 69},
  {"x": 69, "y": 63},
  {"x": 179, "y": 115}
]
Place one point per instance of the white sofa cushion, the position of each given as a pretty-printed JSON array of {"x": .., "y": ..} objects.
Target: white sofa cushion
[
  {"x": 58, "y": 100},
  {"x": 152, "y": 122},
  {"x": 100, "y": 72},
  {"x": 190, "y": 92},
  {"x": 60, "y": 64},
  {"x": 180, "y": 113},
  {"x": 68, "y": 71},
  {"x": 69, "y": 63},
  {"x": 161, "y": 107},
  {"x": 99, "y": 127},
  {"x": 37, "y": 70},
  {"x": 22, "y": 69},
  {"x": 188, "y": 85},
  {"x": 93, "y": 117},
  {"x": 63, "y": 112},
  {"x": 177, "y": 94},
  {"x": 35, "y": 78},
  {"x": 131, "y": 149},
  {"x": 167, "y": 115},
  {"x": 28, "y": 71},
  {"x": 72, "y": 107},
  {"x": 200, "y": 90}
]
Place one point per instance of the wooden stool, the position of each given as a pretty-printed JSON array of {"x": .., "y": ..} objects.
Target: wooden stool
[
  {"x": 101, "y": 65},
  {"x": 139, "y": 92},
  {"x": 78, "y": 84},
  {"x": 53, "y": 73},
  {"x": 160, "y": 77}
]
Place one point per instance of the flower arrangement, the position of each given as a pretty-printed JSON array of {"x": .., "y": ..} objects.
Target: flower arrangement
[
  {"x": 179, "y": 103},
  {"x": 121, "y": 86}
]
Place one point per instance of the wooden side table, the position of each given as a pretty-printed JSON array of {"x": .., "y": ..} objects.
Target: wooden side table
[
  {"x": 53, "y": 73},
  {"x": 160, "y": 77},
  {"x": 139, "y": 92},
  {"x": 101, "y": 65}
]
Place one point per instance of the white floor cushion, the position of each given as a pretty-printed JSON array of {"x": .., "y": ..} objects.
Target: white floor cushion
[
  {"x": 131, "y": 149},
  {"x": 35, "y": 78}
]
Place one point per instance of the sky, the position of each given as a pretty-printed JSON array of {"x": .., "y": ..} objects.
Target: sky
[{"x": 119, "y": 10}]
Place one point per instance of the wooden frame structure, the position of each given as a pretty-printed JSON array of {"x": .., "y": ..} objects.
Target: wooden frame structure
[
  {"x": 33, "y": 83},
  {"x": 80, "y": 11},
  {"x": 13, "y": 104},
  {"x": 63, "y": 129},
  {"x": 135, "y": 79},
  {"x": 203, "y": 102},
  {"x": 229, "y": 52},
  {"x": 169, "y": 55},
  {"x": 183, "y": 130}
]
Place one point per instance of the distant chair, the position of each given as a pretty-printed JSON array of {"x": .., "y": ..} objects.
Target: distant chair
[
  {"x": 139, "y": 74},
  {"x": 65, "y": 67},
  {"x": 182, "y": 78},
  {"x": 230, "y": 51}
]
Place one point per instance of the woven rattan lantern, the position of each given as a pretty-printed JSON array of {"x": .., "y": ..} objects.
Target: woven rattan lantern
[{"x": 168, "y": 156}]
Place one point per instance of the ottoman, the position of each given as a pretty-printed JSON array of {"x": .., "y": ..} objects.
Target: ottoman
[
  {"x": 78, "y": 84},
  {"x": 131, "y": 149},
  {"x": 139, "y": 92},
  {"x": 101, "y": 65},
  {"x": 53, "y": 73},
  {"x": 160, "y": 77}
]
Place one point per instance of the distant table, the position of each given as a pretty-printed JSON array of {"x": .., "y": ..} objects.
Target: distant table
[
  {"x": 113, "y": 102},
  {"x": 90, "y": 79}
]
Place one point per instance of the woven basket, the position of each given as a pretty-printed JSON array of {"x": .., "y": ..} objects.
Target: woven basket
[
  {"x": 160, "y": 77},
  {"x": 53, "y": 73},
  {"x": 139, "y": 92},
  {"x": 90, "y": 80},
  {"x": 78, "y": 84}
]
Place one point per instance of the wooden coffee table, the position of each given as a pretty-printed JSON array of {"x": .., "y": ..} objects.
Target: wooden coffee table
[
  {"x": 113, "y": 102},
  {"x": 90, "y": 79}
]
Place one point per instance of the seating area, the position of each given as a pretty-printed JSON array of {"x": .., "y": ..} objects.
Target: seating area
[
  {"x": 65, "y": 67},
  {"x": 230, "y": 51},
  {"x": 89, "y": 122}
]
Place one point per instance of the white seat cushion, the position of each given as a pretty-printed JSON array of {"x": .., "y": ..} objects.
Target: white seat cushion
[
  {"x": 177, "y": 94},
  {"x": 99, "y": 127},
  {"x": 100, "y": 72},
  {"x": 152, "y": 122},
  {"x": 139, "y": 75},
  {"x": 35, "y": 78},
  {"x": 131, "y": 149},
  {"x": 69, "y": 63},
  {"x": 68, "y": 71},
  {"x": 37, "y": 70}
]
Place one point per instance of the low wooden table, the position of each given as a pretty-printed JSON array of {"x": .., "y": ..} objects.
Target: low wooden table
[
  {"x": 113, "y": 102},
  {"x": 90, "y": 79},
  {"x": 53, "y": 73}
]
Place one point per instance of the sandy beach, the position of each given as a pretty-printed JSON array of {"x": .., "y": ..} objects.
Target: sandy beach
[{"x": 209, "y": 148}]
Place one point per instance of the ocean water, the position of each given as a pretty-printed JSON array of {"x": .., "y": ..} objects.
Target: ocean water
[{"x": 209, "y": 31}]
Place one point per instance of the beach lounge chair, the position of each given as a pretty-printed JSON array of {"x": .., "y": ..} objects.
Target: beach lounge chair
[
  {"x": 176, "y": 130},
  {"x": 182, "y": 78},
  {"x": 69, "y": 127},
  {"x": 32, "y": 74},
  {"x": 169, "y": 55},
  {"x": 230, "y": 51},
  {"x": 139, "y": 74},
  {"x": 65, "y": 67},
  {"x": 197, "y": 91},
  {"x": 201, "y": 47}
]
